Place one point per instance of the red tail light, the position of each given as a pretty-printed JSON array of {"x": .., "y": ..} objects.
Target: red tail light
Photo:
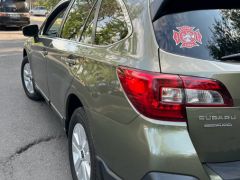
[{"x": 165, "y": 96}]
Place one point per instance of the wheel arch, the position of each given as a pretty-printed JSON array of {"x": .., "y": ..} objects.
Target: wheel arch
[{"x": 73, "y": 102}]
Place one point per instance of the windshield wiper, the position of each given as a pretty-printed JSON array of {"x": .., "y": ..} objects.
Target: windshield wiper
[{"x": 233, "y": 57}]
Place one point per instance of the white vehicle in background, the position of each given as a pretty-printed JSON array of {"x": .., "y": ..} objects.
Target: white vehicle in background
[{"x": 39, "y": 11}]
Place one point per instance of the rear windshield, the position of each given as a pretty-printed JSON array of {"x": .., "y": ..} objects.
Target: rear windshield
[
  {"x": 13, "y": 6},
  {"x": 204, "y": 34}
]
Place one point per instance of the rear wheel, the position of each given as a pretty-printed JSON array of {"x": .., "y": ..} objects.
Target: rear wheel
[
  {"x": 28, "y": 82},
  {"x": 81, "y": 150}
]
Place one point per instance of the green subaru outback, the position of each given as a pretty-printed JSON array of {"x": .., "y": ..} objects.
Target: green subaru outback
[{"x": 146, "y": 89}]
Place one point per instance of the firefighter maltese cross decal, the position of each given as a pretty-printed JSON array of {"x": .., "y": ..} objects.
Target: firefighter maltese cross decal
[{"x": 187, "y": 37}]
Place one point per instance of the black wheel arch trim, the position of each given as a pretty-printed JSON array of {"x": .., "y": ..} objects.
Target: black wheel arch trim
[{"x": 105, "y": 172}]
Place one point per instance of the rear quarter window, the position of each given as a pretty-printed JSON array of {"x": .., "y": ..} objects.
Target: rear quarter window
[
  {"x": 203, "y": 34},
  {"x": 111, "y": 23}
]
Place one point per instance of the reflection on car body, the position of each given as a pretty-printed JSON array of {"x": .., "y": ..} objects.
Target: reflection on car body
[{"x": 141, "y": 86}]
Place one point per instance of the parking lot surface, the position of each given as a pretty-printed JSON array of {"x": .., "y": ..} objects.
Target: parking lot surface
[{"x": 33, "y": 144}]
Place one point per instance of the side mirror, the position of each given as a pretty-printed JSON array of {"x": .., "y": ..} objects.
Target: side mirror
[{"x": 30, "y": 31}]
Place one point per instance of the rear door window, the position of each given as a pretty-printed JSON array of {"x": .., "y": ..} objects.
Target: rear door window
[
  {"x": 204, "y": 34},
  {"x": 76, "y": 19}
]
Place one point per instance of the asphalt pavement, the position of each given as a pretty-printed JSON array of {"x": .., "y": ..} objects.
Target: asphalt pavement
[{"x": 33, "y": 144}]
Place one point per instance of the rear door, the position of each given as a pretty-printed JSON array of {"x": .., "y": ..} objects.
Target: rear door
[
  {"x": 64, "y": 53},
  {"x": 194, "y": 42}
]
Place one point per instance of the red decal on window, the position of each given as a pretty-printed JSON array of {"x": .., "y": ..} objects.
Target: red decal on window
[{"x": 187, "y": 37}]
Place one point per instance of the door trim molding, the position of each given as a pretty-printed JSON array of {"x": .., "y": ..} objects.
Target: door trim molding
[
  {"x": 55, "y": 109},
  {"x": 43, "y": 94},
  {"x": 49, "y": 102}
]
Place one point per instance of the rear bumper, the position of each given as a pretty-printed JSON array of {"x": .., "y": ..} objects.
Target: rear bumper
[
  {"x": 166, "y": 176},
  {"x": 14, "y": 22},
  {"x": 106, "y": 173},
  {"x": 135, "y": 150},
  {"x": 227, "y": 171},
  {"x": 152, "y": 151}
]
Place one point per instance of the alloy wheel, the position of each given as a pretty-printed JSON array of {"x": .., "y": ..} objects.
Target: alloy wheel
[
  {"x": 27, "y": 77},
  {"x": 81, "y": 153}
]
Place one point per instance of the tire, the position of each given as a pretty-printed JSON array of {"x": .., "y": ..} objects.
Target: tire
[
  {"x": 32, "y": 94},
  {"x": 86, "y": 153}
]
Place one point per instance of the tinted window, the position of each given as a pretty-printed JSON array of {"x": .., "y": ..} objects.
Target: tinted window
[
  {"x": 87, "y": 34},
  {"x": 13, "y": 6},
  {"x": 205, "y": 34},
  {"x": 55, "y": 25},
  {"x": 76, "y": 18},
  {"x": 111, "y": 24}
]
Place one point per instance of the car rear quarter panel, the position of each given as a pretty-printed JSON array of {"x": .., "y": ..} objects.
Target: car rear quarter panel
[
  {"x": 135, "y": 149},
  {"x": 95, "y": 74}
]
